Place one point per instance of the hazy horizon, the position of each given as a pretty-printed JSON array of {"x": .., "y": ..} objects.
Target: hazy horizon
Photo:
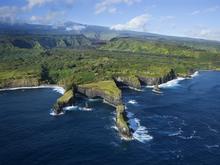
[{"x": 195, "y": 19}]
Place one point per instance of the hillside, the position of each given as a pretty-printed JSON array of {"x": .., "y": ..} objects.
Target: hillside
[
  {"x": 39, "y": 54},
  {"x": 163, "y": 47},
  {"x": 45, "y": 41}
]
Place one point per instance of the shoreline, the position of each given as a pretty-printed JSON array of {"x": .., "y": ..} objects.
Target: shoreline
[
  {"x": 56, "y": 87},
  {"x": 60, "y": 87}
]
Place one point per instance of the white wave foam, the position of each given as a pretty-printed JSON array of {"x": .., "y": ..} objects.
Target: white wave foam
[
  {"x": 73, "y": 108},
  {"x": 140, "y": 132},
  {"x": 132, "y": 102},
  {"x": 211, "y": 129},
  {"x": 58, "y": 89},
  {"x": 212, "y": 146},
  {"x": 85, "y": 109},
  {"x": 179, "y": 132},
  {"x": 70, "y": 108},
  {"x": 54, "y": 114},
  {"x": 54, "y": 87},
  {"x": 172, "y": 83},
  {"x": 195, "y": 74}
]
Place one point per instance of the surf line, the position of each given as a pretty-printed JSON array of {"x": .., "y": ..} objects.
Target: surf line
[{"x": 56, "y": 88}]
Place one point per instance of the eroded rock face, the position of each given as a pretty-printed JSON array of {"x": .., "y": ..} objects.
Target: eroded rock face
[
  {"x": 121, "y": 122},
  {"x": 29, "y": 82},
  {"x": 158, "y": 80},
  {"x": 129, "y": 81},
  {"x": 66, "y": 100},
  {"x": 106, "y": 90}
]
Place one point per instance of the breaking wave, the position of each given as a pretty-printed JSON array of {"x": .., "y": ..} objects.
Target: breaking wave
[
  {"x": 54, "y": 87},
  {"x": 54, "y": 114},
  {"x": 212, "y": 146},
  {"x": 172, "y": 83},
  {"x": 133, "y": 102},
  {"x": 175, "y": 82},
  {"x": 58, "y": 89},
  {"x": 75, "y": 108},
  {"x": 195, "y": 74},
  {"x": 70, "y": 108},
  {"x": 140, "y": 132}
]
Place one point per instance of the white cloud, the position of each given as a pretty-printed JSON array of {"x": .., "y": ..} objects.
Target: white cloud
[
  {"x": 137, "y": 23},
  {"x": 207, "y": 10},
  {"x": 212, "y": 9},
  {"x": 49, "y": 18},
  {"x": 9, "y": 13},
  {"x": 38, "y": 3},
  {"x": 204, "y": 32},
  {"x": 167, "y": 18},
  {"x": 34, "y": 3},
  {"x": 195, "y": 12},
  {"x": 75, "y": 27},
  {"x": 108, "y": 5}
]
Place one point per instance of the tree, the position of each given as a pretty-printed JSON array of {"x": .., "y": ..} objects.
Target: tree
[{"x": 44, "y": 73}]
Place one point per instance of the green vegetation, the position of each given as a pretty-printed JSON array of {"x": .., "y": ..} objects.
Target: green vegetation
[
  {"x": 83, "y": 64},
  {"x": 156, "y": 47},
  {"x": 66, "y": 97},
  {"x": 108, "y": 87},
  {"x": 65, "y": 100},
  {"x": 121, "y": 121}
]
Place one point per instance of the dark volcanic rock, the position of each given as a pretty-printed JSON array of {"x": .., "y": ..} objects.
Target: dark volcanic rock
[
  {"x": 121, "y": 122},
  {"x": 158, "y": 80},
  {"x": 66, "y": 100},
  {"x": 129, "y": 81},
  {"x": 92, "y": 93}
]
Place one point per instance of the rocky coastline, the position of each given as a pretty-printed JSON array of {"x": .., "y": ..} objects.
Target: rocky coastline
[{"x": 109, "y": 91}]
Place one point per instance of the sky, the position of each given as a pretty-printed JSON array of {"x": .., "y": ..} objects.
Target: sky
[{"x": 188, "y": 18}]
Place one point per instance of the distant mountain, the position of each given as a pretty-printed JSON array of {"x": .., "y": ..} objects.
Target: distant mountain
[
  {"x": 46, "y": 41},
  {"x": 92, "y": 34}
]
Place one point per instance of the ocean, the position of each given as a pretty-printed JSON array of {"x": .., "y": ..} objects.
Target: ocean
[{"x": 180, "y": 126}]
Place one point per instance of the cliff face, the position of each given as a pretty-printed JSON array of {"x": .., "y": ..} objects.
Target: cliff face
[
  {"x": 121, "y": 122},
  {"x": 105, "y": 89},
  {"x": 158, "y": 80},
  {"x": 19, "y": 83},
  {"x": 66, "y": 100},
  {"x": 130, "y": 81}
]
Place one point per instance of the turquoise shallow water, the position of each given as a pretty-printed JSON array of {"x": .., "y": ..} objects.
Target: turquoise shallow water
[{"x": 181, "y": 126}]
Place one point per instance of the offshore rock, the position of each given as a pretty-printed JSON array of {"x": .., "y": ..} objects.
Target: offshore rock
[{"x": 121, "y": 122}]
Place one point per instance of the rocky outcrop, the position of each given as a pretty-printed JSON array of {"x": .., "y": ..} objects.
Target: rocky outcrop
[
  {"x": 129, "y": 81},
  {"x": 112, "y": 95},
  {"x": 104, "y": 89},
  {"x": 66, "y": 100},
  {"x": 121, "y": 122},
  {"x": 158, "y": 80}
]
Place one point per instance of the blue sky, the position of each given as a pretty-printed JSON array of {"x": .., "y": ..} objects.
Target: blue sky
[{"x": 191, "y": 18}]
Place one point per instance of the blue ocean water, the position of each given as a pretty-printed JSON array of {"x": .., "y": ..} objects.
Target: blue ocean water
[{"x": 181, "y": 126}]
